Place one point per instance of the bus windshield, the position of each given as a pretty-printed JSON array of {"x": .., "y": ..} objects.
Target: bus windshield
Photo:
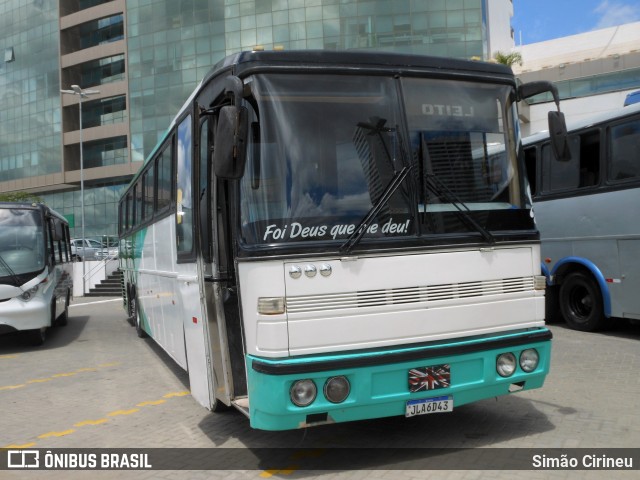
[
  {"x": 324, "y": 150},
  {"x": 21, "y": 244}
]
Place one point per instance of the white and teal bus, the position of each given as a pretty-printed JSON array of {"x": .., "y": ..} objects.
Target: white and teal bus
[
  {"x": 589, "y": 220},
  {"x": 36, "y": 278},
  {"x": 324, "y": 237}
]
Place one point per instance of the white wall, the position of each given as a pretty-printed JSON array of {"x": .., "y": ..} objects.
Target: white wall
[
  {"x": 499, "y": 13},
  {"x": 95, "y": 272}
]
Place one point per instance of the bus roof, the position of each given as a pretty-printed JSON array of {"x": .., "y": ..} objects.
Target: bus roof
[
  {"x": 352, "y": 61},
  {"x": 586, "y": 122},
  {"x": 33, "y": 206}
]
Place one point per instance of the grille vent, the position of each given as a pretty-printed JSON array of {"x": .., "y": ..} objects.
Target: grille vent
[{"x": 399, "y": 296}]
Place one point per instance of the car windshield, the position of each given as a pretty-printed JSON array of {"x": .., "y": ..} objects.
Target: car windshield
[
  {"x": 21, "y": 243},
  {"x": 324, "y": 150}
]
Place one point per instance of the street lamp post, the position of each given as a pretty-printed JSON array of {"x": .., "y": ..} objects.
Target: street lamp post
[{"x": 76, "y": 90}]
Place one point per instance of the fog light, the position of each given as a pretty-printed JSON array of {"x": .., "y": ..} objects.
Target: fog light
[
  {"x": 303, "y": 392},
  {"x": 506, "y": 364},
  {"x": 337, "y": 389},
  {"x": 529, "y": 359}
]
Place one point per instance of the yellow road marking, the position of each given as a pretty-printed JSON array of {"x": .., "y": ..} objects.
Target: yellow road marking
[
  {"x": 112, "y": 364},
  {"x": 12, "y": 387},
  {"x": 271, "y": 473},
  {"x": 91, "y": 422},
  {"x": 39, "y": 380},
  {"x": 58, "y": 375},
  {"x": 8, "y": 356},
  {"x": 123, "y": 412},
  {"x": 151, "y": 402},
  {"x": 56, "y": 434},
  {"x": 24, "y": 445},
  {"x": 176, "y": 394},
  {"x": 105, "y": 420}
]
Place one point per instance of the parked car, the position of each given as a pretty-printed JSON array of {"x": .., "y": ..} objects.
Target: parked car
[
  {"x": 92, "y": 249},
  {"x": 107, "y": 253},
  {"x": 110, "y": 245}
]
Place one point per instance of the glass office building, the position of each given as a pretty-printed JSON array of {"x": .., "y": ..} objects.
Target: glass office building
[{"x": 144, "y": 57}]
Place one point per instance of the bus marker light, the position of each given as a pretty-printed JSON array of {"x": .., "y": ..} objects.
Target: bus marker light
[
  {"x": 271, "y": 305},
  {"x": 194, "y": 320},
  {"x": 303, "y": 392},
  {"x": 506, "y": 364}
]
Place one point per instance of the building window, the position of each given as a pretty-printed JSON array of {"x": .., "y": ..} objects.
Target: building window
[{"x": 9, "y": 56}]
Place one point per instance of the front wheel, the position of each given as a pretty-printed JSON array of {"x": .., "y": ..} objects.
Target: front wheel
[
  {"x": 581, "y": 302},
  {"x": 64, "y": 317},
  {"x": 37, "y": 336}
]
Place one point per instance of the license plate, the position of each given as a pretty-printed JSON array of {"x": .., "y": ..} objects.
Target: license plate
[{"x": 424, "y": 406}]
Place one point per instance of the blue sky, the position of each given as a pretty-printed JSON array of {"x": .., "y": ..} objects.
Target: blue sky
[{"x": 539, "y": 20}]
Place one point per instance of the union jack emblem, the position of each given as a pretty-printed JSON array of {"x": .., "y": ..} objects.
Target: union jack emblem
[{"x": 429, "y": 378}]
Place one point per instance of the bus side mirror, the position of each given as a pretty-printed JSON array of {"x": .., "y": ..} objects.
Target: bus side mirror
[
  {"x": 559, "y": 136},
  {"x": 230, "y": 150},
  {"x": 557, "y": 125}
]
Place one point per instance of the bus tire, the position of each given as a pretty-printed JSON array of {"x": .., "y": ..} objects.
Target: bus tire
[
  {"x": 581, "y": 302},
  {"x": 37, "y": 336},
  {"x": 219, "y": 406},
  {"x": 130, "y": 313},
  {"x": 136, "y": 317},
  {"x": 63, "y": 318}
]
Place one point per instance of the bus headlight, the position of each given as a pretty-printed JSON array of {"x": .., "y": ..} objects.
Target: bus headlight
[
  {"x": 303, "y": 392},
  {"x": 506, "y": 364},
  {"x": 337, "y": 389},
  {"x": 28, "y": 295},
  {"x": 529, "y": 359}
]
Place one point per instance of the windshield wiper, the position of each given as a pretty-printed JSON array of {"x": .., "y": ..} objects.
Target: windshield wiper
[
  {"x": 364, "y": 224},
  {"x": 10, "y": 271},
  {"x": 439, "y": 188}
]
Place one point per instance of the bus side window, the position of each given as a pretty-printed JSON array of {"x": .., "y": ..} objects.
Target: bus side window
[
  {"x": 559, "y": 176},
  {"x": 67, "y": 244},
  {"x": 530, "y": 160},
  {"x": 204, "y": 191},
  {"x": 163, "y": 173},
  {"x": 138, "y": 195},
  {"x": 624, "y": 145},
  {"x": 589, "y": 156},
  {"x": 129, "y": 213},
  {"x": 184, "y": 192}
]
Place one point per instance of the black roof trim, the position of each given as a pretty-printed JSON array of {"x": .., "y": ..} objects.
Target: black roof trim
[{"x": 350, "y": 60}]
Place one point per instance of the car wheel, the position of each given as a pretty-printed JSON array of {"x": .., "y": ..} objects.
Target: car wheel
[
  {"x": 581, "y": 302},
  {"x": 37, "y": 336}
]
